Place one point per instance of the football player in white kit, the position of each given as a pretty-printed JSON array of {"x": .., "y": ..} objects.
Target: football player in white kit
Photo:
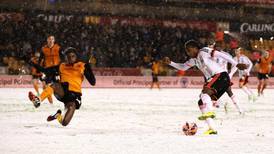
[
  {"x": 244, "y": 74},
  {"x": 217, "y": 79},
  {"x": 223, "y": 63}
]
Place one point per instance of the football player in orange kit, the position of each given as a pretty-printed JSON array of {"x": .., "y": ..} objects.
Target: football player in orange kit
[
  {"x": 263, "y": 66},
  {"x": 50, "y": 59},
  {"x": 155, "y": 72},
  {"x": 68, "y": 89}
]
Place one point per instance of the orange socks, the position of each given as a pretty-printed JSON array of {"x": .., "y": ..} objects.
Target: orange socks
[{"x": 47, "y": 92}]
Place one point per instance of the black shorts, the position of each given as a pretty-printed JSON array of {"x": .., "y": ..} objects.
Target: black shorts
[
  {"x": 219, "y": 83},
  {"x": 51, "y": 74},
  {"x": 262, "y": 76},
  {"x": 39, "y": 77},
  {"x": 154, "y": 77},
  {"x": 244, "y": 80},
  {"x": 70, "y": 96}
]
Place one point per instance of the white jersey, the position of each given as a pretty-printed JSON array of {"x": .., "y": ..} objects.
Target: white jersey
[
  {"x": 205, "y": 62},
  {"x": 244, "y": 60},
  {"x": 223, "y": 63}
]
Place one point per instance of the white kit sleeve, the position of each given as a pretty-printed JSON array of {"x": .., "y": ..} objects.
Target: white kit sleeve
[
  {"x": 226, "y": 57},
  {"x": 250, "y": 65},
  {"x": 185, "y": 66}
]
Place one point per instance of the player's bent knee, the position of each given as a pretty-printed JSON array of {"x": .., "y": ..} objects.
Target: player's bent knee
[
  {"x": 229, "y": 93},
  {"x": 208, "y": 91},
  {"x": 200, "y": 102},
  {"x": 65, "y": 123}
]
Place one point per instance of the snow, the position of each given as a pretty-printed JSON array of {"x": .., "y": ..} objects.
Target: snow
[{"x": 134, "y": 121}]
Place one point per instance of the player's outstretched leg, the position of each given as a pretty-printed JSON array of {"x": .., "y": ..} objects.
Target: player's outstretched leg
[
  {"x": 45, "y": 94},
  {"x": 234, "y": 100}
]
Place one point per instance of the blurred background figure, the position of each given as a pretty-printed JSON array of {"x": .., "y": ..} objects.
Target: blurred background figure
[
  {"x": 36, "y": 74},
  {"x": 50, "y": 59},
  {"x": 244, "y": 74},
  {"x": 155, "y": 66},
  {"x": 263, "y": 67}
]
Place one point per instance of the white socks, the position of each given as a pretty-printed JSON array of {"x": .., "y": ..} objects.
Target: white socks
[
  {"x": 207, "y": 101},
  {"x": 235, "y": 102},
  {"x": 247, "y": 91},
  {"x": 208, "y": 107},
  {"x": 210, "y": 123}
]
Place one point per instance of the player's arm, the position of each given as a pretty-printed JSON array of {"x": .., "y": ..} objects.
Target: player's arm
[
  {"x": 229, "y": 59},
  {"x": 180, "y": 66},
  {"x": 269, "y": 68},
  {"x": 38, "y": 67},
  {"x": 257, "y": 65},
  {"x": 89, "y": 74},
  {"x": 233, "y": 71},
  {"x": 226, "y": 57},
  {"x": 250, "y": 65},
  {"x": 61, "y": 54},
  {"x": 41, "y": 58}
]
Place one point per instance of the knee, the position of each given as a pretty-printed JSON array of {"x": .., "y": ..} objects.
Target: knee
[
  {"x": 200, "y": 102},
  {"x": 65, "y": 123},
  {"x": 201, "y": 105},
  {"x": 72, "y": 106},
  {"x": 208, "y": 91},
  {"x": 229, "y": 93}
]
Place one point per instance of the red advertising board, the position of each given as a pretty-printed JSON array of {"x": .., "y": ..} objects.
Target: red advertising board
[
  {"x": 239, "y": 1},
  {"x": 103, "y": 20},
  {"x": 117, "y": 71},
  {"x": 11, "y": 16},
  {"x": 9, "y": 81}
]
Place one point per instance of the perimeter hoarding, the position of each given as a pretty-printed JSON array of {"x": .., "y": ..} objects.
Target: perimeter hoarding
[{"x": 10, "y": 81}]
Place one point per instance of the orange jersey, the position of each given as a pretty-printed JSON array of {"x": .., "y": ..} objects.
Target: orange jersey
[
  {"x": 264, "y": 65},
  {"x": 73, "y": 74},
  {"x": 51, "y": 55},
  {"x": 155, "y": 68}
]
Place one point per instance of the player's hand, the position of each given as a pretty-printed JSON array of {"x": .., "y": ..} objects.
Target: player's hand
[
  {"x": 43, "y": 76},
  {"x": 241, "y": 66},
  {"x": 166, "y": 60}
]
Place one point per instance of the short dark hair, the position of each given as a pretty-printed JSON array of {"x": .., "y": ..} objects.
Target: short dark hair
[
  {"x": 70, "y": 50},
  {"x": 210, "y": 42},
  {"x": 192, "y": 43},
  {"x": 49, "y": 35}
]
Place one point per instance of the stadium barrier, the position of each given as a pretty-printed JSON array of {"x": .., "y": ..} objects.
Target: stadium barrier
[{"x": 12, "y": 81}]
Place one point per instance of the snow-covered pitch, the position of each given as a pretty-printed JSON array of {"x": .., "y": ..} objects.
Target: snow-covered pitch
[{"x": 134, "y": 121}]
